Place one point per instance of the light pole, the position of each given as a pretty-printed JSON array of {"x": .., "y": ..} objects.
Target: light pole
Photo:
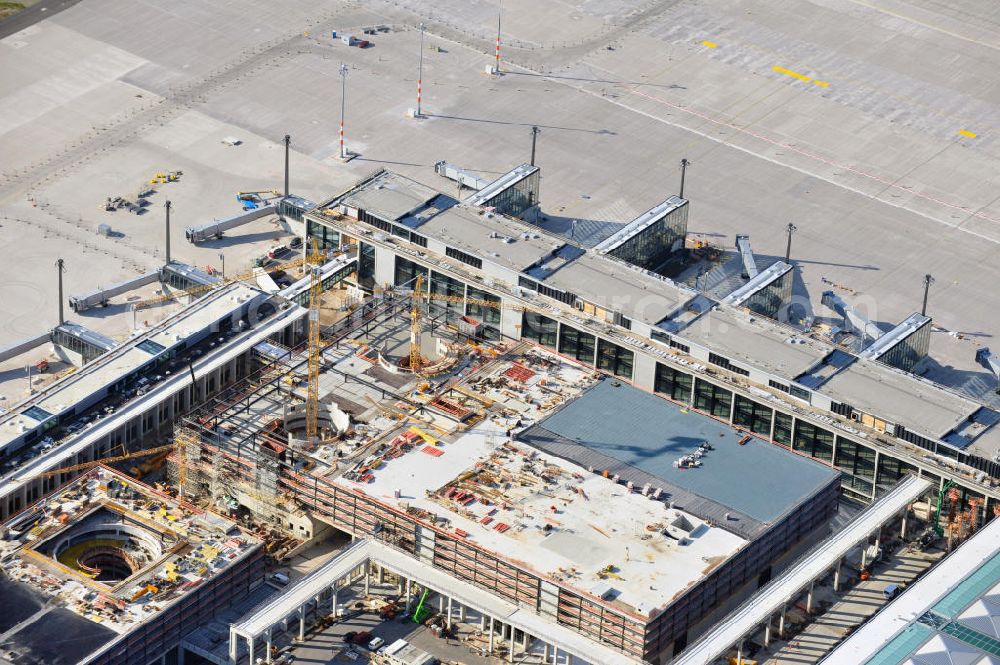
[
  {"x": 60, "y": 269},
  {"x": 535, "y": 131},
  {"x": 166, "y": 206},
  {"x": 343, "y": 107},
  {"x": 684, "y": 167},
  {"x": 288, "y": 143},
  {"x": 496, "y": 67},
  {"x": 222, "y": 257},
  {"x": 420, "y": 70},
  {"x": 928, "y": 280},
  {"x": 790, "y": 229}
]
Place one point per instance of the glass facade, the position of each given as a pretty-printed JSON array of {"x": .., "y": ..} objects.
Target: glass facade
[
  {"x": 753, "y": 416},
  {"x": 613, "y": 358},
  {"x": 910, "y": 350},
  {"x": 407, "y": 271},
  {"x": 889, "y": 473},
  {"x": 813, "y": 441},
  {"x": 539, "y": 329},
  {"x": 577, "y": 344},
  {"x": 490, "y": 316},
  {"x": 366, "y": 265},
  {"x": 673, "y": 383},
  {"x": 783, "y": 428},
  {"x": 712, "y": 399},
  {"x": 657, "y": 243},
  {"x": 446, "y": 286},
  {"x": 518, "y": 197},
  {"x": 770, "y": 299},
  {"x": 326, "y": 237},
  {"x": 858, "y": 464}
]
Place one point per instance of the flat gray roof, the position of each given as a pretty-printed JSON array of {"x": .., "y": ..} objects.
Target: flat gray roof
[
  {"x": 898, "y": 397},
  {"x": 615, "y": 285},
  {"x": 469, "y": 229},
  {"x": 649, "y": 433},
  {"x": 755, "y": 341},
  {"x": 390, "y": 196}
]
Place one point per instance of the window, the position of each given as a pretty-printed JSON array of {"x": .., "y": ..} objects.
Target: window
[
  {"x": 673, "y": 383},
  {"x": 724, "y": 363},
  {"x": 418, "y": 239},
  {"x": 556, "y": 294},
  {"x": 801, "y": 393},
  {"x": 813, "y": 441},
  {"x": 539, "y": 329},
  {"x": 490, "y": 316},
  {"x": 755, "y": 417},
  {"x": 858, "y": 464},
  {"x": 407, "y": 271},
  {"x": 366, "y": 265},
  {"x": 526, "y": 283},
  {"x": 680, "y": 347},
  {"x": 615, "y": 359},
  {"x": 473, "y": 261},
  {"x": 889, "y": 473},
  {"x": 577, "y": 344},
  {"x": 377, "y": 222},
  {"x": 449, "y": 288},
  {"x": 712, "y": 399},
  {"x": 783, "y": 428},
  {"x": 778, "y": 386}
]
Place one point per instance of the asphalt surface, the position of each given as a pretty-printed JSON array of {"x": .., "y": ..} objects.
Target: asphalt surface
[{"x": 29, "y": 16}]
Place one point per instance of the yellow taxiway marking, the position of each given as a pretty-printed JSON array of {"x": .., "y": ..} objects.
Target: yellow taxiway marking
[
  {"x": 966, "y": 132},
  {"x": 709, "y": 44},
  {"x": 789, "y": 72},
  {"x": 822, "y": 84}
]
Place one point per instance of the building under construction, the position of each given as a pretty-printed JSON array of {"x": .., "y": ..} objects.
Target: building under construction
[
  {"x": 471, "y": 465},
  {"x": 108, "y": 570},
  {"x": 564, "y": 440}
]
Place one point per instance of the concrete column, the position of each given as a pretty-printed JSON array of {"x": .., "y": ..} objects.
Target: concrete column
[
  {"x": 267, "y": 654},
  {"x": 368, "y": 578},
  {"x": 234, "y": 646},
  {"x": 408, "y": 592},
  {"x": 510, "y": 650},
  {"x": 878, "y": 538},
  {"x": 809, "y": 598},
  {"x": 448, "y": 622},
  {"x": 864, "y": 553},
  {"x": 767, "y": 633},
  {"x": 482, "y": 622},
  {"x": 491, "y": 635},
  {"x": 524, "y": 640},
  {"x": 440, "y": 602},
  {"x": 461, "y": 613},
  {"x": 381, "y": 575},
  {"x": 555, "y": 654},
  {"x": 739, "y": 652},
  {"x": 836, "y": 576},
  {"x": 781, "y": 622},
  {"x": 333, "y": 602},
  {"x": 545, "y": 652},
  {"x": 250, "y": 642},
  {"x": 302, "y": 623},
  {"x": 902, "y": 528},
  {"x": 180, "y": 655}
]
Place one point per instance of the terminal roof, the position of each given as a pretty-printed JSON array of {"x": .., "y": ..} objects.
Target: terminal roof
[
  {"x": 618, "y": 286},
  {"x": 390, "y": 196},
  {"x": 494, "y": 238},
  {"x": 750, "y": 339},
  {"x": 897, "y": 397}
]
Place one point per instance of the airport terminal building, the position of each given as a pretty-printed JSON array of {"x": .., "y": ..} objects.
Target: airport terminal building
[{"x": 870, "y": 420}]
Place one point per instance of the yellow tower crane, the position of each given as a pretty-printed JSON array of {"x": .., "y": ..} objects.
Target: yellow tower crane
[
  {"x": 315, "y": 347},
  {"x": 415, "y": 360}
]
